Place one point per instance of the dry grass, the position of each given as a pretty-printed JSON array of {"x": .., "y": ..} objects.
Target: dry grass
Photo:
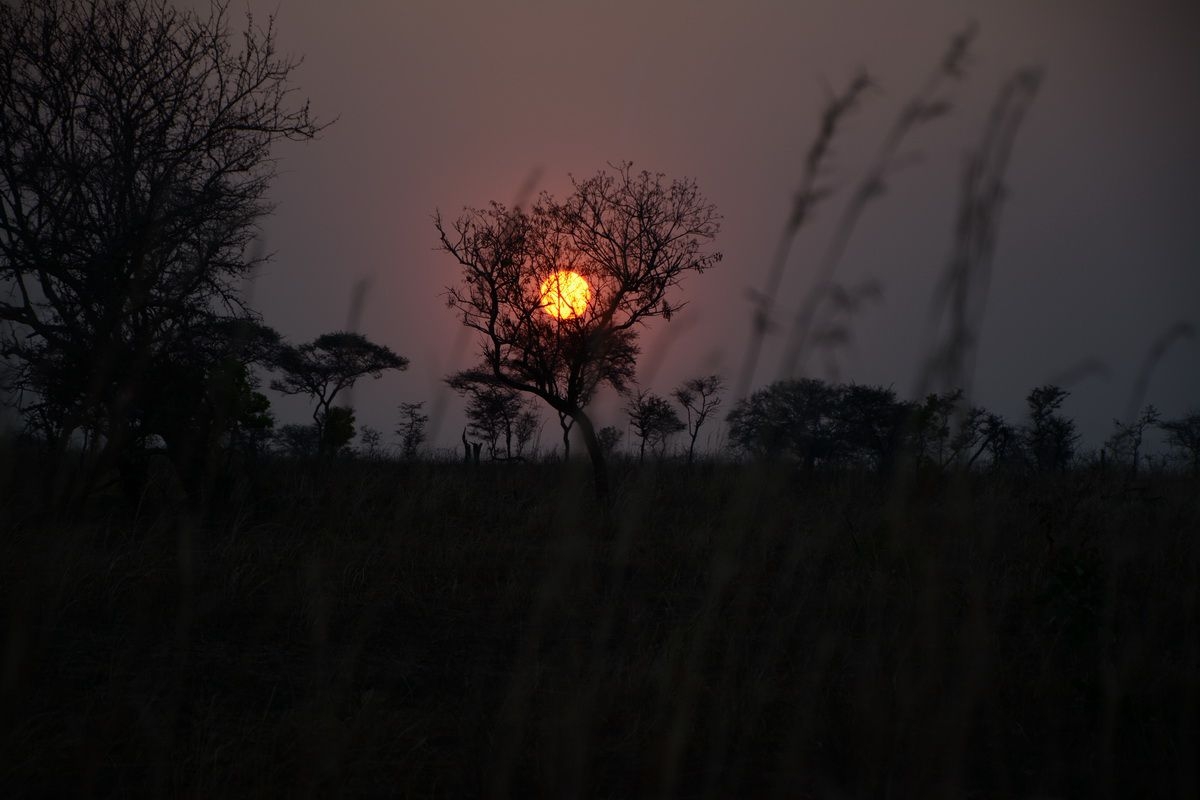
[{"x": 727, "y": 630}]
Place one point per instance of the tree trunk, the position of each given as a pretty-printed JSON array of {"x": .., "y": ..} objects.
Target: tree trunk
[
  {"x": 566, "y": 429},
  {"x": 599, "y": 469}
]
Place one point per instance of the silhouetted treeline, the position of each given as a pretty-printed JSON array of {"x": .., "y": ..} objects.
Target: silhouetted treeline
[{"x": 820, "y": 424}]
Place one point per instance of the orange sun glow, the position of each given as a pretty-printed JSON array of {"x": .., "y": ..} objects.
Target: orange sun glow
[{"x": 565, "y": 294}]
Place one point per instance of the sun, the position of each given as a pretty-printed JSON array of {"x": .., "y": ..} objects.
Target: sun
[{"x": 565, "y": 294}]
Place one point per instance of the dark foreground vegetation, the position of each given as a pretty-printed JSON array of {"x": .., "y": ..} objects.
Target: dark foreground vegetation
[{"x": 386, "y": 629}]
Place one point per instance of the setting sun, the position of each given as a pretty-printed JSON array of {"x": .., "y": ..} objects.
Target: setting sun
[{"x": 565, "y": 294}]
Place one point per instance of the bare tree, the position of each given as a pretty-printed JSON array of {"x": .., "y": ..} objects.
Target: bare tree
[
  {"x": 699, "y": 398},
  {"x": 135, "y": 154},
  {"x": 411, "y": 429},
  {"x": 1125, "y": 443},
  {"x": 329, "y": 365},
  {"x": 371, "y": 438},
  {"x": 629, "y": 238},
  {"x": 526, "y": 427},
  {"x": 1003, "y": 441},
  {"x": 494, "y": 413},
  {"x": 653, "y": 420},
  {"x": 1183, "y": 434}
]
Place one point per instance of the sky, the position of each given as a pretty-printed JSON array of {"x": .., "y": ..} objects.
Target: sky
[{"x": 446, "y": 104}]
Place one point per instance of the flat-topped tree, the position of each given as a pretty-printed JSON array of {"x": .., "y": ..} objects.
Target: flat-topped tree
[
  {"x": 557, "y": 292},
  {"x": 328, "y": 365}
]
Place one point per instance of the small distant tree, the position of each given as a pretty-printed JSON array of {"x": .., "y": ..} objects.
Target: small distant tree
[
  {"x": 609, "y": 437},
  {"x": 932, "y": 424},
  {"x": 1003, "y": 441},
  {"x": 1049, "y": 437},
  {"x": 1125, "y": 443},
  {"x": 411, "y": 429},
  {"x": 1183, "y": 435},
  {"x": 699, "y": 398},
  {"x": 330, "y": 364},
  {"x": 653, "y": 420},
  {"x": 631, "y": 237},
  {"x": 493, "y": 414},
  {"x": 526, "y": 427},
  {"x": 298, "y": 441},
  {"x": 370, "y": 439},
  {"x": 968, "y": 440}
]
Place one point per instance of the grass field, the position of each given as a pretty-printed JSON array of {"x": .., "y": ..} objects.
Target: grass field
[{"x": 725, "y": 630}]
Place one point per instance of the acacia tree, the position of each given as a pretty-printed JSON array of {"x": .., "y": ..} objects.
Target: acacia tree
[
  {"x": 653, "y": 420},
  {"x": 135, "y": 153},
  {"x": 699, "y": 398},
  {"x": 328, "y": 365},
  {"x": 631, "y": 236}
]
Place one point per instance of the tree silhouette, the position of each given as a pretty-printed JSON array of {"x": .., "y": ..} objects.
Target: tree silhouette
[
  {"x": 496, "y": 413},
  {"x": 609, "y": 438},
  {"x": 328, "y": 365},
  {"x": 1050, "y": 437},
  {"x": 203, "y": 398},
  {"x": 135, "y": 155},
  {"x": 653, "y": 420},
  {"x": 871, "y": 423},
  {"x": 699, "y": 398},
  {"x": 1183, "y": 434},
  {"x": 566, "y": 422},
  {"x": 411, "y": 429},
  {"x": 631, "y": 236},
  {"x": 789, "y": 418},
  {"x": 1125, "y": 443},
  {"x": 371, "y": 439},
  {"x": 932, "y": 427},
  {"x": 526, "y": 427},
  {"x": 298, "y": 441},
  {"x": 336, "y": 430}
]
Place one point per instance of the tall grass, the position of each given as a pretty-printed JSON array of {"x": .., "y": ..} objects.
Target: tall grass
[
  {"x": 723, "y": 630},
  {"x": 720, "y": 629}
]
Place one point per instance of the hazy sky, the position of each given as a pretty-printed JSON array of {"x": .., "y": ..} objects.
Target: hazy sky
[{"x": 445, "y": 104}]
